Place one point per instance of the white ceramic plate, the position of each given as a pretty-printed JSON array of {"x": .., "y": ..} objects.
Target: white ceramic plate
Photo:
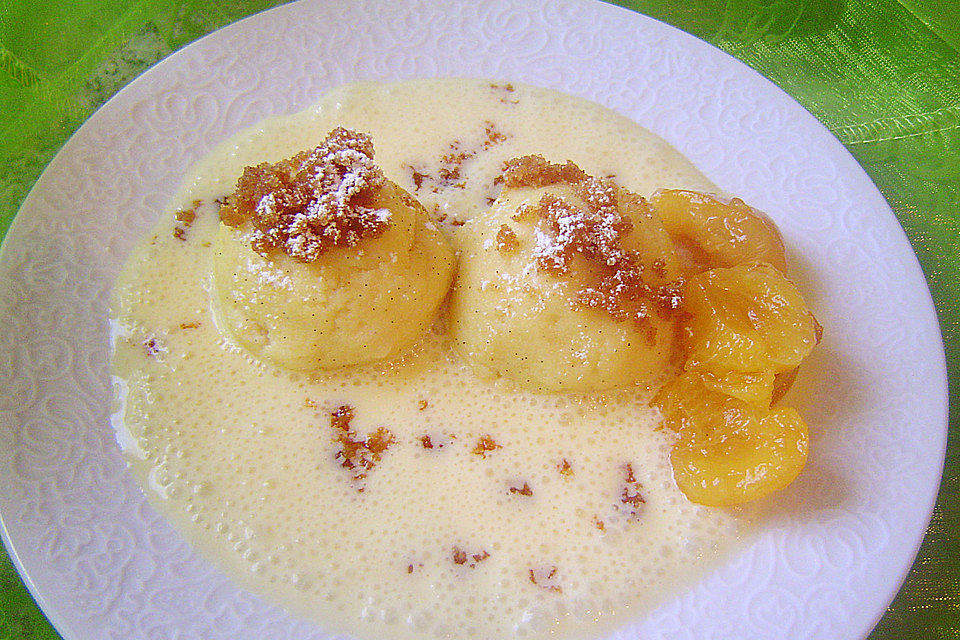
[{"x": 827, "y": 561}]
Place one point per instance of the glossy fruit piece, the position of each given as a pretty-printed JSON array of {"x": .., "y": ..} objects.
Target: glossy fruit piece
[
  {"x": 713, "y": 232},
  {"x": 754, "y": 387},
  {"x": 748, "y": 319},
  {"x": 760, "y": 456},
  {"x": 728, "y": 451}
]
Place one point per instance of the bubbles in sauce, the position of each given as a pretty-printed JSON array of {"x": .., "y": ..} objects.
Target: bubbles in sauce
[{"x": 486, "y": 511}]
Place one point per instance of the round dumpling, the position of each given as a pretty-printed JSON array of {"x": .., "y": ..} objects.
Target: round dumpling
[
  {"x": 567, "y": 283},
  {"x": 321, "y": 262}
]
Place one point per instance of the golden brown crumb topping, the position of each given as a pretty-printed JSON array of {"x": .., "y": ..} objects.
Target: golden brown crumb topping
[
  {"x": 507, "y": 241},
  {"x": 630, "y": 496},
  {"x": 546, "y": 578},
  {"x": 534, "y": 171},
  {"x": 462, "y": 557},
  {"x": 185, "y": 218},
  {"x": 566, "y": 230},
  {"x": 316, "y": 200},
  {"x": 485, "y": 444},
  {"x": 505, "y": 92},
  {"x": 450, "y": 172},
  {"x": 565, "y": 468},
  {"x": 152, "y": 347},
  {"x": 525, "y": 490},
  {"x": 355, "y": 453}
]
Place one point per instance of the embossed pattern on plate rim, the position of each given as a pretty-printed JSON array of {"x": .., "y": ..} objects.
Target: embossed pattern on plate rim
[{"x": 826, "y": 563}]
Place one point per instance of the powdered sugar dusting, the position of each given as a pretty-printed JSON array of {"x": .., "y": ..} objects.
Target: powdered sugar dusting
[
  {"x": 591, "y": 225},
  {"x": 313, "y": 201}
]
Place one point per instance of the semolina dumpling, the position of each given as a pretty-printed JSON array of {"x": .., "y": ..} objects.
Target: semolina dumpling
[
  {"x": 567, "y": 283},
  {"x": 322, "y": 262}
]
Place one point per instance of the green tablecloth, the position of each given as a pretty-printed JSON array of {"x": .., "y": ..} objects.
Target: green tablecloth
[{"x": 882, "y": 75}]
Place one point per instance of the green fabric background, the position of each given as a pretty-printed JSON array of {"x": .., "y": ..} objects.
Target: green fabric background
[{"x": 882, "y": 75}]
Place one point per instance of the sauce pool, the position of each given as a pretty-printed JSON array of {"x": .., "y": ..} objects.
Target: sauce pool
[{"x": 494, "y": 512}]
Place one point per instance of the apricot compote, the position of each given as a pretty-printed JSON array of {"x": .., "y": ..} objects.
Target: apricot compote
[{"x": 746, "y": 330}]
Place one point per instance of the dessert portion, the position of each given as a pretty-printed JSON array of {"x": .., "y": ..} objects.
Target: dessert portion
[
  {"x": 390, "y": 492},
  {"x": 710, "y": 231},
  {"x": 746, "y": 330},
  {"x": 567, "y": 283},
  {"x": 323, "y": 262}
]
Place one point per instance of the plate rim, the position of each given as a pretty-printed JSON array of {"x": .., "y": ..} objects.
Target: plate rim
[{"x": 143, "y": 83}]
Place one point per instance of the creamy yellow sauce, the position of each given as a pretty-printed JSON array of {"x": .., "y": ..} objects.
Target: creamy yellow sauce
[{"x": 528, "y": 515}]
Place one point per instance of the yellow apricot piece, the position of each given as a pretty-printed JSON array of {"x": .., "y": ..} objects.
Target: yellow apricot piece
[
  {"x": 746, "y": 325},
  {"x": 713, "y": 232},
  {"x": 728, "y": 451},
  {"x": 755, "y": 387},
  {"x": 744, "y": 465}
]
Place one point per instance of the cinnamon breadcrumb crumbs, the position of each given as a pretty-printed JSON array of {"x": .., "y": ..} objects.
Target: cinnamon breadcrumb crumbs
[
  {"x": 525, "y": 490},
  {"x": 630, "y": 495},
  {"x": 484, "y": 445},
  {"x": 450, "y": 172},
  {"x": 185, "y": 218},
  {"x": 471, "y": 560},
  {"x": 505, "y": 92},
  {"x": 152, "y": 347},
  {"x": 566, "y": 230},
  {"x": 507, "y": 241},
  {"x": 356, "y": 454},
  {"x": 546, "y": 579},
  {"x": 316, "y": 200}
]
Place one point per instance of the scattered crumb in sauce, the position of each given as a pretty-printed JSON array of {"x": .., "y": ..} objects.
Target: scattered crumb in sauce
[
  {"x": 357, "y": 454},
  {"x": 524, "y": 490},
  {"x": 461, "y": 557},
  {"x": 630, "y": 496},
  {"x": 565, "y": 468},
  {"x": 546, "y": 578},
  {"x": 485, "y": 444},
  {"x": 190, "y": 325},
  {"x": 316, "y": 200},
  {"x": 422, "y": 405},
  {"x": 436, "y": 441},
  {"x": 152, "y": 347},
  {"x": 185, "y": 218},
  {"x": 449, "y": 172},
  {"x": 505, "y": 92}
]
